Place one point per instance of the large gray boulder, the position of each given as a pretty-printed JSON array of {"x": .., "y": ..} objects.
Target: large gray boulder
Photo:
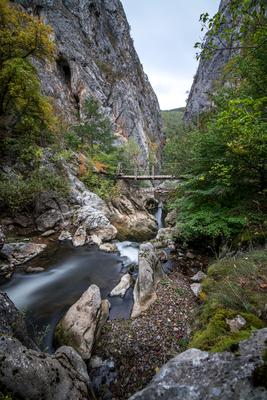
[
  {"x": 81, "y": 325},
  {"x": 199, "y": 375},
  {"x": 149, "y": 274},
  {"x": 21, "y": 252},
  {"x": 32, "y": 375}
]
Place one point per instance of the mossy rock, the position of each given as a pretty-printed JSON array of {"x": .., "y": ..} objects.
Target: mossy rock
[{"x": 216, "y": 336}]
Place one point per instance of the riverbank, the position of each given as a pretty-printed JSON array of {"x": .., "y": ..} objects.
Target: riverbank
[{"x": 141, "y": 346}]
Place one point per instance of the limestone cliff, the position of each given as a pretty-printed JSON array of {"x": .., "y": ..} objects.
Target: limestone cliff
[
  {"x": 96, "y": 57},
  {"x": 208, "y": 72}
]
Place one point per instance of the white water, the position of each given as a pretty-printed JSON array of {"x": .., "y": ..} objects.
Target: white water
[
  {"x": 129, "y": 250},
  {"x": 158, "y": 215}
]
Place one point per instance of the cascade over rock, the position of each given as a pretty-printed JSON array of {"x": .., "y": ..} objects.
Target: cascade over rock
[{"x": 96, "y": 57}]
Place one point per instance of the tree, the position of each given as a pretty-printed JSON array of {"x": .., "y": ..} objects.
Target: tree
[
  {"x": 94, "y": 130},
  {"x": 24, "y": 112}
]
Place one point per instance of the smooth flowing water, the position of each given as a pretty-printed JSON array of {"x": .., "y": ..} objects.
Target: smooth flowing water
[
  {"x": 69, "y": 271},
  {"x": 47, "y": 295}
]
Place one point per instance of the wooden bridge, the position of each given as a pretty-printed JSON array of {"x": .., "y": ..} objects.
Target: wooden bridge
[{"x": 145, "y": 175}]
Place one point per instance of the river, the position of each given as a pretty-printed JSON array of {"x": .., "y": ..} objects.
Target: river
[{"x": 69, "y": 271}]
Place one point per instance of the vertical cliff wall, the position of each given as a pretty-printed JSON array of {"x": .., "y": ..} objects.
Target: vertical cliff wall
[
  {"x": 208, "y": 72},
  {"x": 96, "y": 57}
]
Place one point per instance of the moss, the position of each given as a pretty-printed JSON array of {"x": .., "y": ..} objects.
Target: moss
[
  {"x": 216, "y": 336},
  {"x": 259, "y": 377},
  {"x": 63, "y": 338}
]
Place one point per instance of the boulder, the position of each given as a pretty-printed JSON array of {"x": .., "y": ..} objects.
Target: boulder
[
  {"x": 131, "y": 219},
  {"x": 34, "y": 269},
  {"x": 82, "y": 323},
  {"x": 31, "y": 374},
  {"x": 95, "y": 222},
  {"x": 199, "y": 276},
  {"x": 149, "y": 274},
  {"x": 236, "y": 323},
  {"x": 199, "y": 375},
  {"x": 65, "y": 235},
  {"x": 122, "y": 286},
  {"x": 48, "y": 233},
  {"x": 196, "y": 288},
  {"x": 79, "y": 237},
  {"x": 170, "y": 219},
  {"x": 108, "y": 247},
  {"x": 20, "y": 253},
  {"x": 48, "y": 220}
]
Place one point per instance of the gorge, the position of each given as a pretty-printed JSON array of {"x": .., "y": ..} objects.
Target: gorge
[{"x": 114, "y": 288}]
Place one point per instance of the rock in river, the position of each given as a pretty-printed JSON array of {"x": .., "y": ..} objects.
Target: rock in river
[
  {"x": 82, "y": 323},
  {"x": 122, "y": 286},
  {"x": 149, "y": 274}
]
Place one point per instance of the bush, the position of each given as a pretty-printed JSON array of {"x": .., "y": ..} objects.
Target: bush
[{"x": 18, "y": 192}]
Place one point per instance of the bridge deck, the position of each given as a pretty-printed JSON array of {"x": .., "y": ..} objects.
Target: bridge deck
[{"x": 146, "y": 177}]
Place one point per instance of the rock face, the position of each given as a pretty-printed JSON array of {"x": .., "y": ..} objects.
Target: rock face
[
  {"x": 96, "y": 57},
  {"x": 149, "y": 274},
  {"x": 81, "y": 325},
  {"x": 30, "y": 374},
  {"x": 208, "y": 72},
  {"x": 199, "y": 375}
]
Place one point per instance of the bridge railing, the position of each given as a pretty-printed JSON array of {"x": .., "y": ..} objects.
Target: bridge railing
[{"x": 130, "y": 169}]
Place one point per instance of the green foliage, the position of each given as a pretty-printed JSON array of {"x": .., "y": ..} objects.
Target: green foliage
[
  {"x": 216, "y": 336},
  {"x": 18, "y": 191},
  {"x": 24, "y": 112},
  {"x": 224, "y": 158},
  {"x": 234, "y": 286},
  {"x": 104, "y": 187},
  {"x": 94, "y": 132}
]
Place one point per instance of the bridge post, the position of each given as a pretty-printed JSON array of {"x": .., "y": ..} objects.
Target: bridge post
[{"x": 118, "y": 169}]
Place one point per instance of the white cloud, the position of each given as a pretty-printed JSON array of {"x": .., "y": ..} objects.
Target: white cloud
[{"x": 171, "y": 90}]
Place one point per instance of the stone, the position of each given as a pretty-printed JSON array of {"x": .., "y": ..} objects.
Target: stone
[
  {"x": 94, "y": 239},
  {"x": 199, "y": 375},
  {"x": 122, "y": 286},
  {"x": 196, "y": 288},
  {"x": 48, "y": 220},
  {"x": 34, "y": 269},
  {"x": 131, "y": 219},
  {"x": 190, "y": 255},
  {"x": 79, "y": 237},
  {"x": 149, "y": 274},
  {"x": 20, "y": 253},
  {"x": 170, "y": 219},
  {"x": 81, "y": 325},
  {"x": 199, "y": 276},
  {"x": 65, "y": 235},
  {"x": 163, "y": 256},
  {"x": 165, "y": 234},
  {"x": 236, "y": 323},
  {"x": 48, "y": 233},
  {"x": 108, "y": 247},
  {"x": 94, "y": 221},
  {"x": 32, "y": 375}
]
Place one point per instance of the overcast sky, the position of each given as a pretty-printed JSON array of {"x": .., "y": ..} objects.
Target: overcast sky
[{"x": 164, "y": 33}]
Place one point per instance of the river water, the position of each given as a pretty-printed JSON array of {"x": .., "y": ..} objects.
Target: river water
[{"x": 69, "y": 271}]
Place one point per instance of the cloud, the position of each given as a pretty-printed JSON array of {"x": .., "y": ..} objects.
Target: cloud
[{"x": 170, "y": 89}]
